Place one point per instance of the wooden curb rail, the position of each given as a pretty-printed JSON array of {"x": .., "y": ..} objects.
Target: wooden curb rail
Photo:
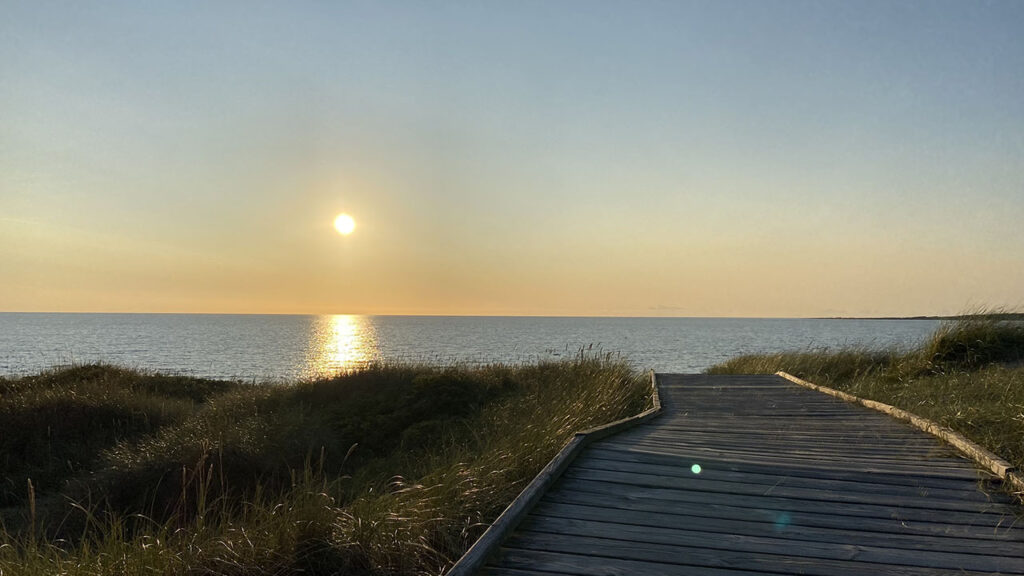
[
  {"x": 986, "y": 459},
  {"x": 475, "y": 557}
]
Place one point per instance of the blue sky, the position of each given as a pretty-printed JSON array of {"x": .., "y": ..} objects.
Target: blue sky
[{"x": 622, "y": 158}]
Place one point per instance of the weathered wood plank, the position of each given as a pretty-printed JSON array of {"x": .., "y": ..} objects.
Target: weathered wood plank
[
  {"x": 1009, "y": 561},
  {"x": 924, "y": 452},
  {"x": 936, "y": 453},
  {"x": 748, "y": 457},
  {"x": 665, "y": 497},
  {"x": 499, "y": 571},
  {"x": 885, "y": 534},
  {"x": 911, "y": 458},
  {"x": 939, "y": 459},
  {"x": 583, "y": 565},
  {"x": 970, "y": 491},
  {"x": 824, "y": 433},
  {"x": 803, "y": 470},
  {"x": 699, "y": 484},
  {"x": 655, "y": 486},
  {"x": 912, "y": 522},
  {"x": 784, "y": 561},
  {"x": 791, "y": 429}
]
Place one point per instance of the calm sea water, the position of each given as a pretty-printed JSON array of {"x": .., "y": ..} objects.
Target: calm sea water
[{"x": 271, "y": 347}]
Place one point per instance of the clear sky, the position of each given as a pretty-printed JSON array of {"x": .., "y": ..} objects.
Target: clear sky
[{"x": 552, "y": 158}]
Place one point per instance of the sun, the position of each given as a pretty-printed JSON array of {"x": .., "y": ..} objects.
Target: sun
[{"x": 344, "y": 224}]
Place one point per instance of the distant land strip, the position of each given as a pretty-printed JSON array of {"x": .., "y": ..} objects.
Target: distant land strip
[{"x": 1014, "y": 316}]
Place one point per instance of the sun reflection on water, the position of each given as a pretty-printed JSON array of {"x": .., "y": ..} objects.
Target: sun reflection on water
[{"x": 339, "y": 343}]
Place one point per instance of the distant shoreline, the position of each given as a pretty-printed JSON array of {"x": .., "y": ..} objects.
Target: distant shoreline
[{"x": 996, "y": 316}]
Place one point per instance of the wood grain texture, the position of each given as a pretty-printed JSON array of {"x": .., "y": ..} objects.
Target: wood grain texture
[
  {"x": 998, "y": 466},
  {"x": 777, "y": 525},
  {"x": 696, "y": 536},
  {"x": 782, "y": 514},
  {"x": 790, "y": 481}
]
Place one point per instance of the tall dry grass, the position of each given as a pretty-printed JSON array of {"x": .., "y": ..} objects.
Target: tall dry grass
[{"x": 389, "y": 470}]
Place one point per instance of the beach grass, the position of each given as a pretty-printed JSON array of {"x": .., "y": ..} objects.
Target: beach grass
[
  {"x": 54, "y": 425},
  {"x": 969, "y": 376},
  {"x": 385, "y": 470}
]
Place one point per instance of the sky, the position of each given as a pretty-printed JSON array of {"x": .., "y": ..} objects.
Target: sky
[{"x": 718, "y": 158}]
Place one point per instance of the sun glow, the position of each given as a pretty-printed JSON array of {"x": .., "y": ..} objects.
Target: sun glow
[
  {"x": 344, "y": 224},
  {"x": 340, "y": 342}
]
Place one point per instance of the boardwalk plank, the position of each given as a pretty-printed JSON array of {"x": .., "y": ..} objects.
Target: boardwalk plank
[
  {"x": 803, "y": 470},
  {"x": 780, "y": 449},
  {"x": 967, "y": 490},
  {"x": 731, "y": 437},
  {"x": 943, "y": 538},
  {"x": 797, "y": 432},
  {"x": 583, "y": 565},
  {"x": 782, "y": 513},
  {"x": 779, "y": 445},
  {"x": 802, "y": 434},
  {"x": 498, "y": 571},
  {"x": 787, "y": 432},
  {"x": 791, "y": 482},
  {"x": 608, "y": 528},
  {"x": 782, "y": 562},
  {"x": 703, "y": 484},
  {"x": 747, "y": 457},
  {"x": 667, "y": 497}
]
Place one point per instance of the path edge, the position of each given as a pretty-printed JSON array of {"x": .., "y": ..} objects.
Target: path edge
[
  {"x": 474, "y": 558},
  {"x": 1005, "y": 471}
]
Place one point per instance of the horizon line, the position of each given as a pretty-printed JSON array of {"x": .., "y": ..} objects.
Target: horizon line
[{"x": 625, "y": 316}]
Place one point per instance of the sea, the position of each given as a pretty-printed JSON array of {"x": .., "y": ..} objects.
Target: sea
[{"x": 279, "y": 348}]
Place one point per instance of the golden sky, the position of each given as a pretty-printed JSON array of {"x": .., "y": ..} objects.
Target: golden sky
[{"x": 681, "y": 159}]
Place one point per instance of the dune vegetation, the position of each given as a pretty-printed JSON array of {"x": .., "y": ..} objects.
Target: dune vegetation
[
  {"x": 385, "y": 470},
  {"x": 969, "y": 376}
]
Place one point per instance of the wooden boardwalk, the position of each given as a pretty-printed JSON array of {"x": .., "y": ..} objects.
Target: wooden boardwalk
[{"x": 756, "y": 475}]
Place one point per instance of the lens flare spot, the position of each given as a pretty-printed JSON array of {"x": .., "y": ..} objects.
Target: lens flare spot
[
  {"x": 695, "y": 468},
  {"x": 782, "y": 521}
]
